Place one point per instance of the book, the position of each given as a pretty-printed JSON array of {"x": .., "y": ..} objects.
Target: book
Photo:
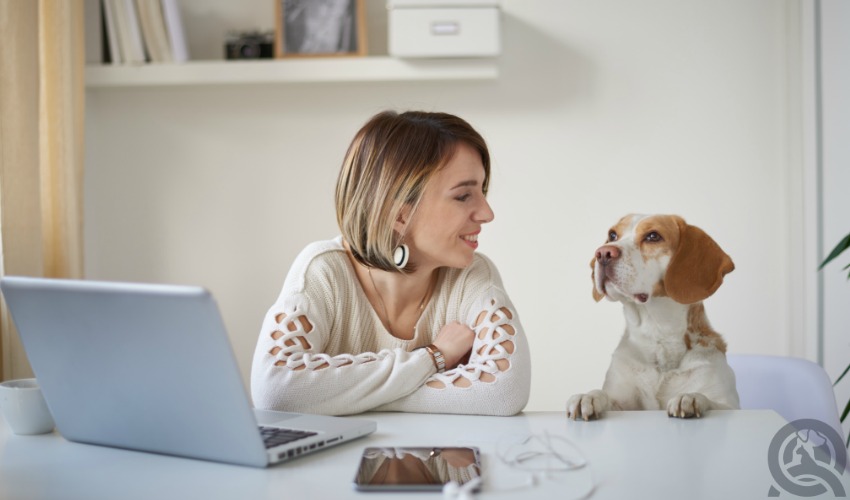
[
  {"x": 129, "y": 35},
  {"x": 94, "y": 32},
  {"x": 153, "y": 30},
  {"x": 176, "y": 33},
  {"x": 116, "y": 55},
  {"x": 136, "y": 41}
]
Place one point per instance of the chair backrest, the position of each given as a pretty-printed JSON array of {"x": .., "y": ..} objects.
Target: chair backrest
[{"x": 793, "y": 387}]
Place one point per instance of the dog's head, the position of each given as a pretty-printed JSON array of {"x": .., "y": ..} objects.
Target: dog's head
[{"x": 649, "y": 256}]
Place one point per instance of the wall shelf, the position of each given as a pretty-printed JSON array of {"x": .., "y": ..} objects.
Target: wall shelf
[{"x": 318, "y": 70}]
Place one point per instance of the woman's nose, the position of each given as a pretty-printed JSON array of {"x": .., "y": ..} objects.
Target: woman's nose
[{"x": 484, "y": 213}]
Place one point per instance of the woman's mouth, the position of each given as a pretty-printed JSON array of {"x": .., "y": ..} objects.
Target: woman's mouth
[{"x": 471, "y": 240}]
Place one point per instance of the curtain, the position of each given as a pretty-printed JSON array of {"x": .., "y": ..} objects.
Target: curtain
[{"x": 42, "y": 94}]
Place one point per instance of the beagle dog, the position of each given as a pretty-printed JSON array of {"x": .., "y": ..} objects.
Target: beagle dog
[{"x": 661, "y": 269}]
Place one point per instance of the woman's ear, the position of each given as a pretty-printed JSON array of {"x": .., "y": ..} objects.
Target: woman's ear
[
  {"x": 697, "y": 268},
  {"x": 403, "y": 219}
]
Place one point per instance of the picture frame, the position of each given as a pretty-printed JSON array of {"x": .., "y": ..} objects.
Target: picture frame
[{"x": 316, "y": 28}]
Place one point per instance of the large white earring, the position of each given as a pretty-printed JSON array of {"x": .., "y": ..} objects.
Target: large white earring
[{"x": 401, "y": 255}]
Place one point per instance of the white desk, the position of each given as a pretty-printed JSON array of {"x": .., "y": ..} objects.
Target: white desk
[{"x": 631, "y": 455}]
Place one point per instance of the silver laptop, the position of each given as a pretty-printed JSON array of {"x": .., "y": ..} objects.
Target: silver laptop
[{"x": 150, "y": 368}]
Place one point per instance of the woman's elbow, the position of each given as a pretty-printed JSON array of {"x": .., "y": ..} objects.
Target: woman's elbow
[
  {"x": 512, "y": 405},
  {"x": 264, "y": 399},
  {"x": 517, "y": 390},
  {"x": 263, "y": 393}
]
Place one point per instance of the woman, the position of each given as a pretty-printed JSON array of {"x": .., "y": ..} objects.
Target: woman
[{"x": 399, "y": 313}]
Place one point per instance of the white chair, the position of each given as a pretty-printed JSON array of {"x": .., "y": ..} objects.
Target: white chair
[{"x": 793, "y": 387}]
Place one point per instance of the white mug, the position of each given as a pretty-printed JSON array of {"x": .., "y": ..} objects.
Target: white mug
[{"x": 24, "y": 408}]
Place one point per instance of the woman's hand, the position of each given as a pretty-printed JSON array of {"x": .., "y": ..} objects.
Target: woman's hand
[{"x": 455, "y": 342}]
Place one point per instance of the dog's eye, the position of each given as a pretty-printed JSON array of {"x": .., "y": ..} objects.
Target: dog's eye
[
  {"x": 612, "y": 236},
  {"x": 653, "y": 236}
]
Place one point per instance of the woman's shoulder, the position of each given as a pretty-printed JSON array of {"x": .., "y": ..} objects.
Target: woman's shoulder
[
  {"x": 325, "y": 258},
  {"x": 319, "y": 248},
  {"x": 482, "y": 270},
  {"x": 475, "y": 288}
]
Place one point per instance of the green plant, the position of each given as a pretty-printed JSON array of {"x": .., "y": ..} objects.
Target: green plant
[{"x": 841, "y": 247}]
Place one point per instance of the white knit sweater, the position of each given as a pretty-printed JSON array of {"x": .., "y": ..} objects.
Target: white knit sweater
[{"x": 342, "y": 360}]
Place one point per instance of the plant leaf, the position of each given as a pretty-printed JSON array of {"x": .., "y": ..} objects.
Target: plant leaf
[
  {"x": 842, "y": 245},
  {"x": 842, "y": 375},
  {"x": 845, "y": 412}
]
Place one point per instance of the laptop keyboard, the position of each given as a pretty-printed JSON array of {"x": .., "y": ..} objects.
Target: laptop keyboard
[{"x": 276, "y": 436}]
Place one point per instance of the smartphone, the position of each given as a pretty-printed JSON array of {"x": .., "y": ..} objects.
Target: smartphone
[{"x": 416, "y": 468}]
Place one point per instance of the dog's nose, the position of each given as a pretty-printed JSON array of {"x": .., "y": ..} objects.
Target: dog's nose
[{"x": 607, "y": 253}]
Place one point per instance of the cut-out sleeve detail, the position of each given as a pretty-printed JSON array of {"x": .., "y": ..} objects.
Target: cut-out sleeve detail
[
  {"x": 493, "y": 343},
  {"x": 292, "y": 372},
  {"x": 495, "y": 381}
]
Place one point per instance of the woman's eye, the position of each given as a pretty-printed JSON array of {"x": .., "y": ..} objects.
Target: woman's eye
[
  {"x": 653, "y": 236},
  {"x": 463, "y": 197},
  {"x": 612, "y": 236}
]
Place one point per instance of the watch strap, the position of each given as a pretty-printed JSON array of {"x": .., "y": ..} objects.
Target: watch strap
[{"x": 437, "y": 357}]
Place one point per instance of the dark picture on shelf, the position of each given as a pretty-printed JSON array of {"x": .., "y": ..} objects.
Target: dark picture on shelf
[{"x": 320, "y": 28}]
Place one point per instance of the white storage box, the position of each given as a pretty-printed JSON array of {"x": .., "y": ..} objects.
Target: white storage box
[{"x": 447, "y": 28}]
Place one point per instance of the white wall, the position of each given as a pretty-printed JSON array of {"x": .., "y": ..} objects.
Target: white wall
[
  {"x": 602, "y": 108},
  {"x": 835, "y": 205}
]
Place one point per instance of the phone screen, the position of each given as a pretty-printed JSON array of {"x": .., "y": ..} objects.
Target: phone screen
[{"x": 416, "y": 468}]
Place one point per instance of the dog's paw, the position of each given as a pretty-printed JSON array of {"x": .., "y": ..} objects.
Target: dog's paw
[
  {"x": 587, "y": 406},
  {"x": 688, "y": 405}
]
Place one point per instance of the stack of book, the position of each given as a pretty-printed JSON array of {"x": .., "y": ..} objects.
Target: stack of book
[{"x": 142, "y": 31}]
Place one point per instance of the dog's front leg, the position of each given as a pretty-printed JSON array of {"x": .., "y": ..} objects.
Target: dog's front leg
[
  {"x": 588, "y": 406},
  {"x": 689, "y": 405},
  {"x": 706, "y": 387}
]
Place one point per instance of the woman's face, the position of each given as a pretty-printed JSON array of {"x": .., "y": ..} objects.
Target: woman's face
[{"x": 444, "y": 229}]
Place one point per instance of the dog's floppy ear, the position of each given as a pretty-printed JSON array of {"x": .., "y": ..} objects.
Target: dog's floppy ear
[
  {"x": 697, "y": 267},
  {"x": 596, "y": 295}
]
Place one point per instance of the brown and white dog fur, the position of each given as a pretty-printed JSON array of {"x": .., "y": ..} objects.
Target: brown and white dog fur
[{"x": 661, "y": 269}]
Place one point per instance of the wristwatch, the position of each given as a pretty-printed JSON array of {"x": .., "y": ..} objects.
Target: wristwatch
[{"x": 437, "y": 356}]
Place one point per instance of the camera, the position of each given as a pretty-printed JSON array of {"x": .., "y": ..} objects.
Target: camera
[{"x": 249, "y": 45}]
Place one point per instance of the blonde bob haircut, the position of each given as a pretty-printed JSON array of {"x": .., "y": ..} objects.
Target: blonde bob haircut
[{"x": 387, "y": 167}]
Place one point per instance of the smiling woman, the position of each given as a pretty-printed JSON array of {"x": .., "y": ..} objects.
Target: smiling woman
[{"x": 399, "y": 313}]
